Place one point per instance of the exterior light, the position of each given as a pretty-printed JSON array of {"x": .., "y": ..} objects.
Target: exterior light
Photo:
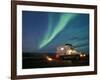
[
  {"x": 84, "y": 55},
  {"x": 62, "y": 48},
  {"x": 81, "y": 55},
  {"x": 70, "y": 52},
  {"x": 49, "y": 59}
]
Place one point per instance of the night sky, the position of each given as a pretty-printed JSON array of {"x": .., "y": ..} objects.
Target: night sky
[{"x": 45, "y": 31}]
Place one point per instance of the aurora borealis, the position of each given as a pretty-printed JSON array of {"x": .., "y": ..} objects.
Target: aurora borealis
[
  {"x": 45, "y": 31},
  {"x": 62, "y": 23}
]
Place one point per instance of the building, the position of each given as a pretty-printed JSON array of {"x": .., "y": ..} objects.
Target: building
[{"x": 67, "y": 51}]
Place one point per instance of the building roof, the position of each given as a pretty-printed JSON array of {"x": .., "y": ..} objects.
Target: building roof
[{"x": 69, "y": 44}]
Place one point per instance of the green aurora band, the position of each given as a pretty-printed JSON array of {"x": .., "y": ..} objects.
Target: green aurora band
[{"x": 51, "y": 34}]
